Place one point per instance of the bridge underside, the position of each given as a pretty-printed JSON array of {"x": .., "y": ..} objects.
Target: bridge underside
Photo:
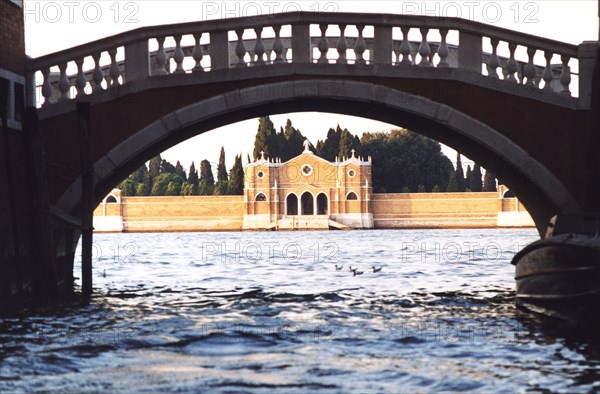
[{"x": 533, "y": 146}]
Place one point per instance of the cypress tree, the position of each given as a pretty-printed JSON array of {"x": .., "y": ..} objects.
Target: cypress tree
[
  {"x": 265, "y": 140},
  {"x": 154, "y": 166},
  {"x": 193, "y": 180},
  {"x": 236, "y": 177},
  {"x": 436, "y": 189},
  {"x": 476, "y": 185},
  {"x": 180, "y": 171},
  {"x": 167, "y": 168},
  {"x": 468, "y": 178},
  {"x": 221, "y": 169},
  {"x": 207, "y": 180},
  {"x": 452, "y": 183},
  {"x": 489, "y": 182},
  {"x": 221, "y": 185},
  {"x": 294, "y": 141},
  {"x": 421, "y": 188},
  {"x": 330, "y": 148},
  {"x": 460, "y": 177}
]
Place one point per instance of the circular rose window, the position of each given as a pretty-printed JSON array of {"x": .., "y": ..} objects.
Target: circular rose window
[
  {"x": 260, "y": 175},
  {"x": 307, "y": 169},
  {"x": 351, "y": 173}
]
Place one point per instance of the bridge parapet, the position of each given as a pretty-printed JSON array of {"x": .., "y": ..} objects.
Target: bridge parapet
[{"x": 358, "y": 40}]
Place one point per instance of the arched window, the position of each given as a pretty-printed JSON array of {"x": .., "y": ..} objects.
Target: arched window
[
  {"x": 307, "y": 202},
  {"x": 111, "y": 199},
  {"x": 322, "y": 204},
  {"x": 260, "y": 197},
  {"x": 508, "y": 194},
  {"x": 351, "y": 196},
  {"x": 292, "y": 204}
]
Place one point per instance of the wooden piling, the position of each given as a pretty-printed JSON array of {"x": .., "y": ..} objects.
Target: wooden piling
[{"x": 87, "y": 198}]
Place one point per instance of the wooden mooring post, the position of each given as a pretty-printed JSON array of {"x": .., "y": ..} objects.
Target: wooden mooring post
[{"x": 87, "y": 198}]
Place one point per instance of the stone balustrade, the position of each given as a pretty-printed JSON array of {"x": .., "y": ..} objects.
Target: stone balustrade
[{"x": 328, "y": 39}]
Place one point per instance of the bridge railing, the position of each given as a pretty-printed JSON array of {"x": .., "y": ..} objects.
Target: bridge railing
[{"x": 359, "y": 40}]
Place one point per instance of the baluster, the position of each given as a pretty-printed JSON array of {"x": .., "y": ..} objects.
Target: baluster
[
  {"x": 161, "y": 57},
  {"x": 360, "y": 46},
  {"x": 240, "y": 49},
  {"x": 63, "y": 83},
  {"x": 342, "y": 46},
  {"x": 443, "y": 50},
  {"x": 178, "y": 56},
  {"x": 198, "y": 53},
  {"x": 259, "y": 47},
  {"x": 98, "y": 74},
  {"x": 424, "y": 49},
  {"x": 278, "y": 46},
  {"x": 494, "y": 63},
  {"x": 46, "y": 86},
  {"x": 530, "y": 67},
  {"x": 565, "y": 75},
  {"x": 80, "y": 81},
  {"x": 511, "y": 65},
  {"x": 548, "y": 76},
  {"x": 323, "y": 44},
  {"x": 397, "y": 55},
  {"x": 405, "y": 48},
  {"x": 114, "y": 71}
]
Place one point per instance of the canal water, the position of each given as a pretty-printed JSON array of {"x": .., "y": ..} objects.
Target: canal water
[{"x": 268, "y": 312}]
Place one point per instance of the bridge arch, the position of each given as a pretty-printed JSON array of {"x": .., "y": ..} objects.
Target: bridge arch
[{"x": 540, "y": 191}]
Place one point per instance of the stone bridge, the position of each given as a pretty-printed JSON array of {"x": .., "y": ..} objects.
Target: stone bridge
[{"x": 517, "y": 104}]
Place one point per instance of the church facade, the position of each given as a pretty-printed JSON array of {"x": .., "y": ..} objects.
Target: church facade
[{"x": 307, "y": 192}]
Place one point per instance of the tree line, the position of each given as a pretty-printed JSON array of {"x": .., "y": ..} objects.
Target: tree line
[
  {"x": 161, "y": 178},
  {"x": 404, "y": 161}
]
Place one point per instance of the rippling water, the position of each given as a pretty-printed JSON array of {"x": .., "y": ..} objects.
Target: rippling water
[{"x": 268, "y": 312}]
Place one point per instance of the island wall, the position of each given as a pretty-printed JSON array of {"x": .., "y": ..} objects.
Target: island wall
[{"x": 225, "y": 213}]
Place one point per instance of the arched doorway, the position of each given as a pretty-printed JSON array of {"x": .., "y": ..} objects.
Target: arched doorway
[
  {"x": 307, "y": 204},
  {"x": 322, "y": 204},
  {"x": 291, "y": 203}
]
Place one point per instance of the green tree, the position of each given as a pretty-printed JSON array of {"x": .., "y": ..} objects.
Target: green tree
[
  {"x": 265, "y": 140},
  {"x": 180, "y": 171},
  {"x": 161, "y": 185},
  {"x": 436, "y": 189},
  {"x": 405, "y": 189},
  {"x": 489, "y": 182},
  {"x": 148, "y": 183},
  {"x": 221, "y": 169},
  {"x": 188, "y": 189},
  {"x": 141, "y": 190},
  {"x": 330, "y": 148},
  {"x": 402, "y": 158},
  {"x": 154, "y": 167},
  {"x": 207, "y": 180},
  {"x": 348, "y": 142},
  {"x": 468, "y": 178},
  {"x": 193, "y": 180},
  {"x": 421, "y": 188},
  {"x": 294, "y": 141},
  {"x": 236, "y": 177},
  {"x": 128, "y": 187},
  {"x": 460, "y": 175},
  {"x": 166, "y": 167},
  {"x": 452, "y": 183},
  {"x": 476, "y": 185},
  {"x": 139, "y": 174},
  {"x": 221, "y": 185}
]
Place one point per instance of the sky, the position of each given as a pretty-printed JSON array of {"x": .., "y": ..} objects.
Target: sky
[{"x": 51, "y": 26}]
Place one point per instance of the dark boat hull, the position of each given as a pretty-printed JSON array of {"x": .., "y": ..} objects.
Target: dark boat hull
[{"x": 561, "y": 275}]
